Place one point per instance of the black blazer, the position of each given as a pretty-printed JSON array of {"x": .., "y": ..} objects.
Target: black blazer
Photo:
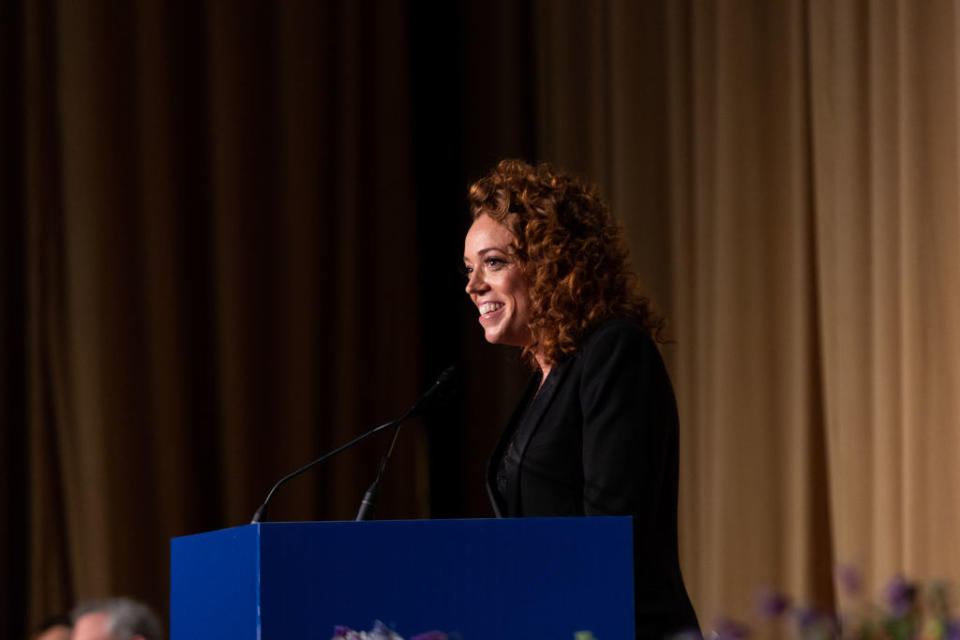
[{"x": 601, "y": 438}]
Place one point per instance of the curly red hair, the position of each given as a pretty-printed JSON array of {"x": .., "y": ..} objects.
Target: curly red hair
[{"x": 571, "y": 251}]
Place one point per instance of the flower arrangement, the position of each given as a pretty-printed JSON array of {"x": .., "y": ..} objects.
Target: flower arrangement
[
  {"x": 381, "y": 631},
  {"x": 908, "y": 611}
]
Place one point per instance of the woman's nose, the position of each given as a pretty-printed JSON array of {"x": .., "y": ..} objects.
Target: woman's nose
[{"x": 475, "y": 283}]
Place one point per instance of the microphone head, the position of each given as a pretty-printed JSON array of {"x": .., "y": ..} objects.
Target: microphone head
[
  {"x": 447, "y": 376},
  {"x": 439, "y": 393}
]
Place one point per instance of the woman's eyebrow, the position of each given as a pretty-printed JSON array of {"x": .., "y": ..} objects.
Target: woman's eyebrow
[{"x": 484, "y": 251}]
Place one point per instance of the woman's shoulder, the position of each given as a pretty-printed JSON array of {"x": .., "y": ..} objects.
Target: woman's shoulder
[
  {"x": 620, "y": 357},
  {"x": 621, "y": 352},
  {"x": 624, "y": 332}
]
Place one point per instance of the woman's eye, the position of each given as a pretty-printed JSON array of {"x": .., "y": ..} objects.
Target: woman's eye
[{"x": 495, "y": 263}]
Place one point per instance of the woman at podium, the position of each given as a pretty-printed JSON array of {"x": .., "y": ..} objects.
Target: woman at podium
[{"x": 596, "y": 430}]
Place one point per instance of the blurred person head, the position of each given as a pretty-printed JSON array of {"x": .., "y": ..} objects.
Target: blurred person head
[
  {"x": 547, "y": 262},
  {"x": 54, "y": 628},
  {"x": 115, "y": 619}
]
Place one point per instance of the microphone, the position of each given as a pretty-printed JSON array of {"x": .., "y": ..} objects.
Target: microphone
[
  {"x": 437, "y": 393},
  {"x": 429, "y": 397},
  {"x": 434, "y": 394}
]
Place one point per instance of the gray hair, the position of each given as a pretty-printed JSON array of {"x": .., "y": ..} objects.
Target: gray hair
[{"x": 126, "y": 617}]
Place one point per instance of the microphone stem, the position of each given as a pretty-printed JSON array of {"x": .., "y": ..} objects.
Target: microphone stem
[
  {"x": 443, "y": 381},
  {"x": 389, "y": 453},
  {"x": 262, "y": 511},
  {"x": 369, "y": 503}
]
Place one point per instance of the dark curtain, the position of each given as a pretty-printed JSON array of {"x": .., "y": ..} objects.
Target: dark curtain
[{"x": 230, "y": 242}]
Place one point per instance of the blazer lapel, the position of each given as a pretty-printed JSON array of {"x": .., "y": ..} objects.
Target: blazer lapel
[
  {"x": 493, "y": 464},
  {"x": 523, "y": 433},
  {"x": 540, "y": 405}
]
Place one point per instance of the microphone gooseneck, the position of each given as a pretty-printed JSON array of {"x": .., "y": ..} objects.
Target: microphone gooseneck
[
  {"x": 443, "y": 382},
  {"x": 261, "y": 512}
]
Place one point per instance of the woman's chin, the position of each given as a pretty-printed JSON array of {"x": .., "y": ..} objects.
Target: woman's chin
[
  {"x": 494, "y": 335},
  {"x": 492, "y": 338},
  {"x": 498, "y": 337}
]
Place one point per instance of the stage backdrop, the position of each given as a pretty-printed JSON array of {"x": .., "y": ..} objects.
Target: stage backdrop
[
  {"x": 788, "y": 174},
  {"x": 230, "y": 237}
]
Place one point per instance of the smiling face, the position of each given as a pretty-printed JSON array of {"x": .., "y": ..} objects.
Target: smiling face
[{"x": 496, "y": 284}]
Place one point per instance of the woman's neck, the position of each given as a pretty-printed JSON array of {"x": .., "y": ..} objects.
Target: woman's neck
[{"x": 544, "y": 370}]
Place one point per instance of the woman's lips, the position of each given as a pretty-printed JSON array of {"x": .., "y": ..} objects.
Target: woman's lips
[{"x": 495, "y": 308}]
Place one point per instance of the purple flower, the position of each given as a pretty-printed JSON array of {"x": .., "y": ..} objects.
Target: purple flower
[
  {"x": 430, "y": 635},
  {"x": 773, "y": 604},
  {"x": 730, "y": 630},
  {"x": 807, "y": 617},
  {"x": 900, "y": 596},
  {"x": 952, "y": 632},
  {"x": 850, "y": 579}
]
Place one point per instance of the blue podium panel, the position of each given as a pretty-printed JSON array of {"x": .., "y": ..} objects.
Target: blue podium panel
[
  {"x": 214, "y": 585},
  {"x": 484, "y": 579}
]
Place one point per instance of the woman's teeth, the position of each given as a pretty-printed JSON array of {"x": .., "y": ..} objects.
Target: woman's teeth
[{"x": 488, "y": 307}]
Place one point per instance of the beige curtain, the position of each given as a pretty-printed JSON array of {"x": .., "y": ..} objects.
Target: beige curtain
[
  {"x": 886, "y": 158},
  {"x": 787, "y": 173}
]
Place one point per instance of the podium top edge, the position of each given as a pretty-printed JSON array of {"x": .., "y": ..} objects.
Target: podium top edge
[{"x": 572, "y": 521}]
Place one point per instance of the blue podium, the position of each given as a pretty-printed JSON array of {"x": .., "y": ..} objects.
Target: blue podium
[{"x": 480, "y": 579}]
